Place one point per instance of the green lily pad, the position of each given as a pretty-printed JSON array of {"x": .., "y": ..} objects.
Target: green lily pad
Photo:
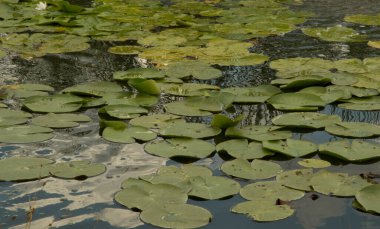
[
  {"x": 128, "y": 134},
  {"x": 223, "y": 122},
  {"x": 128, "y": 98},
  {"x": 179, "y": 147},
  {"x": 337, "y": 184},
  {"x": 258, "y": 133},
  {"x": 296, "y": 102},
  {"x": 314, "y": 163},
  {"x": 139, "y": 73},
  {"x": 24, "y": 168},
  {"x": 124, "y": 111},
  {"x": 183, "y": 109},
  {"x": 257, "y": 169},
  {"x": 326, "y": 95},
  {"x": 298, "y": 179},
  {"x": 257, "y": 94},
  {"x": 337, "y": 33},
  {"x": 94, "y": 88},
  {"x": 126, "y": 50},
  {"x": 357, "y": 150},
  {"x": 25, "y": 134},
  {"x": 305, "y": 120},
  {"x": 149, "y": 87},
  {"x": 300, "y": 81},
  {"x": 362, "y": 104},
  {"x": 156, "y": 121},
  {"x": 13, "y": 117},
  {"x": 213, "y": 187},
  {"x": 270, "y": 191},
  {"x": 374, "y": 44},
  {"x": 76, "y": 169},
  {"x": 363, "y": 19},
  {"x": 60, "y": 120},
  {"x": 291, "y": 147},
  {"x": 190, "y": 130},
  {"x": 368, "y": 198},
  {"x": 263, "y": 211},
  {"x": 353, "y": 129},
  {"x": 144, "y": 195},
  {"x": 240, "y": 148},
  {"x": 2, "y": 105},
  {"x": 60, "y": 103},
  {"x": 176, "y": 216},
  {"x": 187, "y": 89},
  {"x": 356, "y": 91},
  {"x": 196, "y": 69},
  {"x": 26, "y": 90}
]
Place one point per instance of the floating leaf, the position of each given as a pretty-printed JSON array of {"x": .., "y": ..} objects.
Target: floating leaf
[
  {"x": 223, "y": 122},
  {"x": 257, "y": 94},
  {"x": 296, "y": 101},
  {"x": 60, "y": 103},
  {"x": 258, "y": 133},
  {"x": 305, "y": 120},
  {"x": 257, "y": 169},
  {"x": 183, "y": 109},
  {"x": 60, "y": 120},
  {"x": 124, "y": 111},
  {"x": 139, "y": 73},
  {"x": 179, "y": 147},
  {"x": 94, "y": 88},
  {"x": 21, "y": 91},
  {"x": 270, "y": 191},
  {"x": 190, "y": 130},
  {"x": 13, "y": 117},
  {"x": 127, "y": 98},
  {"x": 362, "y": 104},
  {"x": 196, "y": 69},
  {"x": 156, "y": 121},
  {"x": 213, "y": 187},
  {"x": 363, "y": 19},
  {"x": 149, "y": 87},
  {"x": 337, "y": 33},
  {"x": 263, "y": 211},
  {"x": 144, "y": 195},
  {"x": 326, "y": 95},
  {"x": 357, "y": 150},
  {"x": 353, "y": 129},
  {"x": 240, "y": 148},
  {"x": 337, "y": 184},
  {"x": 76, "y": 170},
  {"x": 291, "y": 147},
  {"x": 374, "y": 44},
  {"x": 298, "y": 179},
  {"x": 128, "y": 134},
  {"x": 187, "y": 89},
  {"x": 25, "y": 134},
  {"x": 176, "y": 216},
  {"x": 314, "y": 163},
  {"x": 368, "y": 198},
  {"x": 24, "y": 168}
]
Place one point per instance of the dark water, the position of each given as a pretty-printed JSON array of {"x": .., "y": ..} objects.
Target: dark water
[{"x": 65, "y": 70}]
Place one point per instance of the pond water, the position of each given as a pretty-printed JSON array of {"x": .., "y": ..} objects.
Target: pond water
[{"x": 55, "y": 203}]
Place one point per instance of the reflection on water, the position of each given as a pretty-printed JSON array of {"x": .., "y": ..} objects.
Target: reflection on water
[{"x": 89, "y": 204}]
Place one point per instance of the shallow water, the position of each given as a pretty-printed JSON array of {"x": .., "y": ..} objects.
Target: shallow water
[{"x": 89, "y": 204}]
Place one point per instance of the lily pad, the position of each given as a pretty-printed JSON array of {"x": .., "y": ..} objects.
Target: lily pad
[
  {"x": 139, "y": 73},
  {"x": 257, "y": 94},
  {"x": 291, "y": 147},
  {"x": 353, "y": 129},
  {"x": 300, "y": 81},
  {"x": 374, "y": 44},
  {"x": 263, "y": 211},
  {"x": 298, "y": 179},
  {"x": 357, "y": 150},
  {"x": 183, "y": 109},
  {"x": 337, "y": 184},
  {"x": 296, "y": 102},
  {"x": 124, "y": 111},
  {"x": 240, "y": 148},
  {"x": 94, "y": 88},
  {"x": 60, "y": 120},
  {"x": 24, "y": 168},
  {"x": 128, "y": 98},
  {"x": 363, "y": 19},
  {"x": 257, "y": 169},
  {"x": 25, "y": 134},
  {"x": 270, "y": 191},
  {"x": 190, "y": 130},
  {"x": 177, "y": 216},
  {"x": 258, "y": 133},
  {"x": 128, "y": 134},
  {"x": 26, "y": 90},
  {"x": 196, "y": 69},
  {"x": 368, "y": 198},
  {"x": 305, "y": 120},
  {"x": 362, "y": 104},
  {"x": 223, "y": 122},
  {"x": 337, "y": 33},
  {"x": 13, "y": 117},
  {"x": 314, "y": 163},
  {"x": 156, "y": 121},
  {"x": 59, "y": 103},
  {"x": 146, "y": 86},
  {"x": 76, "y": 170},
  {"x": 180, "y": 147},
  {"x": 144, "y": 195},
  {"x": 187, "y": 89},
  {"x": 213, "y": 187}
]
